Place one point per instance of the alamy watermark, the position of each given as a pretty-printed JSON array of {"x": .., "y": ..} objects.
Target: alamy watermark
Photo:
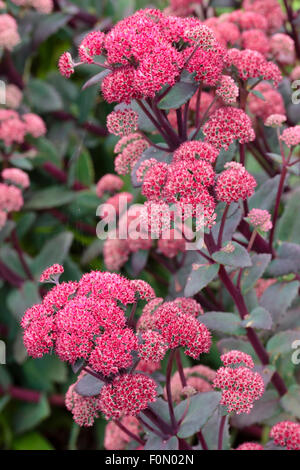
[{"x": 168, "y": 222}]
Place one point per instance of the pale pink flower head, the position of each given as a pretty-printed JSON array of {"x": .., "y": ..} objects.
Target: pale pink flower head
[
  {"x": 11, "y": 198},
  {"x": 9, "y": 36},
  {"x": 83, "y": 409},
  {"x": 260, "y": 219},
  {"x": 122, "y": 122},
  {"x": 34, "y": 125},
  {"x": 271, "y": 104},
  {"x": 270, "y": 9},
  {"x": 127, "y": 395},
  {"x": 126, "y": 160},
  {"x": 126, "y": 140},
  {"x": 109, "y": 183},
  {"x": 256, "y": 40},
  {"x": 250, "y": 446},
  {"x": 116, "y": 253},
  {"x": 291, "y": 136},
  {"x": 275, "y": 120},
  {"x": 283, "y": 48},
  {"x": 295, "y": 74},
  {"x": 227, "y": 90},
  {"x": 16, "y": 176},
  {"x": 234, "y": 183},
  {"x": 13, "y": 96},
  {"x": 286, "y": 434},
  {"x": 42, "y": 6},
  {"x": 143, "y": 168},
  {"x": 66, "y": 65},
  {"x": 3, "y": 219},
  {"x": 172, "y": 244},
  {"x": 198, "y": 377},
  {"x": 227, "y": 125},
  {"x": 202, "y": 35},
  {"x": 115, "y": 438},
  {"x": 143, "y": 290},
  {"x": 91, "y": 46},
  {"x": 52, "y": 274},
  {"x": 12, "y": 129}
]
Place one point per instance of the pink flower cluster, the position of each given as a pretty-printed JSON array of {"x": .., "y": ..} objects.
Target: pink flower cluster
[
  {"x": 42, "y": 6},
  {"x": 11, "y": 198},
  {"x": 234, "y": 183},
  {"x": 198, "y": 377},
  {"x": 250, "y": 446},
  {"x": 109, "y": 183},
  {"x": 16, "y": 176},
  {"x": 131, "y": 148},
  {"x": 291, "y": 136},
  {"x": 260, "y": 219},
  {"x": 115, "y": 438},
  {"x": 14, "y": 127},
  {"x": 52, "y": 273},
  {"x": 9, "y": 36},
  {"x": 122, "y": 122},
  {"x": 286, "y": 434},
  {"x": 271, "y": 104},
  {"x": 240, "y": 386},
  {"x": 275, "y": 120}
]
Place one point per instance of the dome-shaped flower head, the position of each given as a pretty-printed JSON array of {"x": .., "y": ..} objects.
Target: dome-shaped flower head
[
  {"x": 275, "y": 120},
  {"x": 39, "y": 328},
  {"x": 119, "y": 86},
  {"x": 126, "y": 160},
  {"x": 113, "y": 350},
  {"x": 143, "y": 289},
  {"x": 189, "y": 306},
  {"x": 12, "y": 128},
  {"x": 116, "y": 253},
  {"x": 11, "y": 198},
  {"x": 115, "y": 438},
  {"x": 52, "y": 274},
  {"x": 208, "y": 64},
  {"x": 227, "y": 89},
  {"x": 109, "y": 183},
  {"x": 143, "y": 168},
  {"x": 283, "y": 48},
  {"x": 286, "y": 434},
  {"x": 83, "y": 409},
  {"x": 16, "y": 176},
  {"x": 235, "y": 357},
  {"x": 108, "y": 286},
  {"x": 181, "y": 329},
  {"x": 249, "y": 20},
  {"x": 154, "y": 181},
  {"x": 271, "y": 104},
  {"x": 240, "y": 387},
  {"x": 202, "y": 35},
  {"x": 295, "y": 74},
  {"x": 14, "y": 96},
  {"x": 66, "y": 65},
  {"x": 270, "y": 9},
  {"x": 250, "y": 446},
  {"x": 291, "y": 136},
  {"x": 91, "y": 46},
  {"x": 122, "y": 122},
  {"x": 9, "y": 36},
  {"x": 34, "y": 125},
  {"x": 227, "y": 125},
  {"x": 256, "y": 40},
  {"x": 260, "y": 219},
  {"x": 252, "y": 64},
  {"x": 153, "y": 347},
  {"x": 234, "y": 183},
  {"x": 195, "y": 150},
  {"x": 127, "y": 395}
]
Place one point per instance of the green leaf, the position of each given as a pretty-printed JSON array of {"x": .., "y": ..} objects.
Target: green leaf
[
  {"x": 48, "y": 25},
  {"x": 233, "y": 254},
  {"x": 258, "y": 94},
  {"x": 43, "y": 97},
  {"x": 31, "y": 441},
  {"x": 82, "y": 169},
  {"x": 211, "y": 436},
  {"x": 258, "y": 318},
  {"x": 222, "y": 321},
  {"x": 18, "y": 300},
  {"x": 179, "y": 94},
  {"x": 287, "y": 261},
  {"x": 200, "y": 276},
  {"x": 54, "y": 196},
  {"x": 278, "y": 298},
  {"x": 29, "y": 415},
  {"x": 21, "y": 162},
  {"x": 54, "y": 251},
  {"x": 200, "y": 408},
  {"x": 281, "y": 343},
  {"x": 225, "y": 156},
  {"x": 264, "y": 197},
  {"x": 288, "y": 228},
  {"x": 255, "y": 272},
  {"x": 291, "y": 401}
]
